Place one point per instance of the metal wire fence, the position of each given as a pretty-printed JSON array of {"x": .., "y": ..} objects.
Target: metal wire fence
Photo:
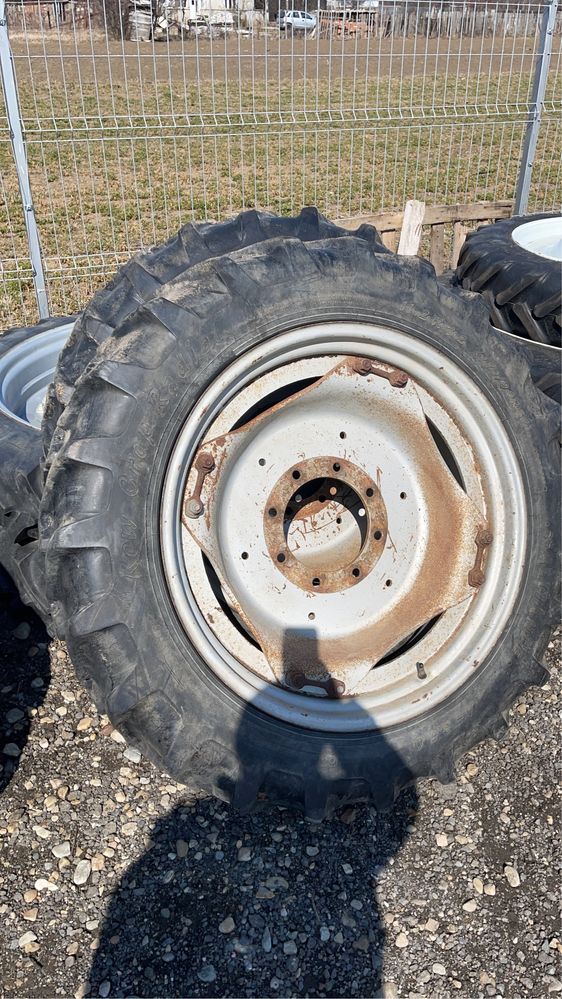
[{"x": 218, "y": 110}]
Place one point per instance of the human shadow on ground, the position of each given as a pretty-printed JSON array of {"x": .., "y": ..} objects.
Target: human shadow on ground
[
  {"x": 265, "y": 904},
  {"x": 25, "y": 674}
]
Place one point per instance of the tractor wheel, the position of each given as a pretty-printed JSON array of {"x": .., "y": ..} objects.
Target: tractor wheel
[
  {"x": 515, "y": 265},
  {"x": 27, "y": 361},
  {"x": 301, "y": 532},
  {"x": 142, "y": 277}
]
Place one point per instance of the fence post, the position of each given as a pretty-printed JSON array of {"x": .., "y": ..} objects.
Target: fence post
[
  {"x": 537, "y": 103},
  {"x": 8, "y": 78}
]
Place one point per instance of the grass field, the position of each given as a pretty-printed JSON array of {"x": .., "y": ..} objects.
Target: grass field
[{"x": 125, "y": 145}]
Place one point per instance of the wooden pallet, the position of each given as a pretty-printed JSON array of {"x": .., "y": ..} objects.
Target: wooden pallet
[{"x": 439, "y": 230}]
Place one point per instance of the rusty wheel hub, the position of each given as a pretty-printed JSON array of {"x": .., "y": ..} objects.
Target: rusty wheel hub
[
  {"x": 340, "y": 526},
  {"x": 325, "y": 524}
]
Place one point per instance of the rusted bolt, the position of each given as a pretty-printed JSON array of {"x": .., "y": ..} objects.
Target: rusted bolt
[
  {"x": 483, "y": 540},
  {"x": 206, "y": 461},
  {"x": 362, "y": 365},
  {"x": 193, "y": 508},
  {"x": 398, "y": 379}
]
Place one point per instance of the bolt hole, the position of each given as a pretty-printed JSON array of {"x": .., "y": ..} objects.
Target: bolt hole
[
  {"x": 377, "y": 535},
  {"x": 402, "y": 495},
  {"x": 244, "y": 555},
  {"x": 281, "y": 557},
  {"x": 261, "y": 461},
  {"x": 343, "y": 435},
  {"x": 388, "y": 582},
  {"x": 316, "y": 581},
  {"x": 369, "y": 491},
  {"x": 296, "y": 474},
  {"x": 322, "y": 499},
  {"x": 311, "y": 616},
  {"x": 272, "y": 511},
  {"x": 356, "y": 572},
  {"x": 338, "y": 520},
  {"x": 336, "y": 466}
]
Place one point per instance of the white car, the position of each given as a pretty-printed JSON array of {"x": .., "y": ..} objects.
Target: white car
[{"x": 295, "y": 20}]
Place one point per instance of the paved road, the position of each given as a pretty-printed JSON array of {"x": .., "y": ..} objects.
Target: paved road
[{"x": 116, "y": 881}]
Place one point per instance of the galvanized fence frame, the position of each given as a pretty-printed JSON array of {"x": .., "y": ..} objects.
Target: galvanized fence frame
[{"x": 114, "y": 143}]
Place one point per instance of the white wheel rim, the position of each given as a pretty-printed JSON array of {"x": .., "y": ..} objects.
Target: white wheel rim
[
  {"x": 465, "y": 635},
  {"x": 26, "y": 370},
  {"x": 542, "y": 237}
]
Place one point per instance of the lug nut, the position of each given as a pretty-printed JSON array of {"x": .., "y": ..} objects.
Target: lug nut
[
  {"x": 398, "y": 379},
  {"x": 206, "y": 461},
  {"x": 193, "y": 508},
  {"x": 362, "y": 365}
]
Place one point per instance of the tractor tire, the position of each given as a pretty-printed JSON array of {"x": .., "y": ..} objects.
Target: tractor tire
[
  {"x": 240, "y": 351},
  {"x": 142, "y": 277},
  {"x": 515, "y": 265},
  {"x": 544, "y": 365},
  {"x": 27, "y": 359}
]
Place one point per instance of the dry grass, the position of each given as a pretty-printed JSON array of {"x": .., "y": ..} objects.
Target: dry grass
[{"x": 115, "y": 166}]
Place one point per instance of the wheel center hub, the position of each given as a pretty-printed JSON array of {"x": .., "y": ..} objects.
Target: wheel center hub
[
  {"x": 327, "y": 533},
  {"x": 325, "y": 525}
]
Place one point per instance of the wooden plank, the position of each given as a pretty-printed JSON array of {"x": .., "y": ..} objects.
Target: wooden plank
[
  {"x": 459, "y": 235},
  {"x": 390, "y": 240},
  {"x": 410, "y": 235},
  {"x": 437, "y": 248},
  {"x": 478, "y": 211}
]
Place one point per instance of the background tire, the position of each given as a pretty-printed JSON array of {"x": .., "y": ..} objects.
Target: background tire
[
  {"x": 100, "y": 524},
  {"x": 545, "y": 367},
  {"x": 522, "y": 289},
  {"x": 21, "y": 478},
  {"x": 142, "y": 277}
]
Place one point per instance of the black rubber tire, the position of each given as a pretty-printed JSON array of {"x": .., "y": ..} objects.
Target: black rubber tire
[
  {"x": 522, "y": 290},
  {"x": 545, "y": 367},
  {"x": 142, "y": 277},
  {"x": 21, "y": 482},
  {"x": 100, "y": 524}
]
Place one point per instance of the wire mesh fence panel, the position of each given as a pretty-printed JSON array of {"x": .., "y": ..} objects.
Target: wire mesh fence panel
[
  {"x": 139, "y": 117},
  {"x": 17, "y": 298}
]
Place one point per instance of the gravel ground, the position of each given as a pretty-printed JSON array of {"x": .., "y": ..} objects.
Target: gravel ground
[{"x": 116, "y": 881}]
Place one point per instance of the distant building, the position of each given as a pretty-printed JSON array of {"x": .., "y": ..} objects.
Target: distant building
[{"x": 185, "y": 11}]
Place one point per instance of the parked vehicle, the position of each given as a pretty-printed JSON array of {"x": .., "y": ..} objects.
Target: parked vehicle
[{"x": 295, "y": 20}]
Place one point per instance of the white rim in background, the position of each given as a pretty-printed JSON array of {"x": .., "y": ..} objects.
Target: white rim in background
[
  {"x": 26, "y": 371},
  {"x": 542, "y": 237},
  {"x": 465, "y": 634}
]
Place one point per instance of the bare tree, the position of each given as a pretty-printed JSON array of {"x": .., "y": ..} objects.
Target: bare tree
[{"x": 113, "y": 17}]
